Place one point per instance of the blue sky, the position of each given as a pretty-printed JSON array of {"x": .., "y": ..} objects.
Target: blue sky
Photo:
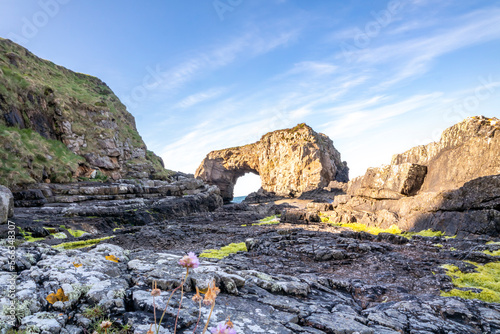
[{"x": 377, "y": 77}]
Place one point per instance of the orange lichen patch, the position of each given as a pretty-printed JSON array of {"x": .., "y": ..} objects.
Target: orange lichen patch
[
  {"x": 77, "y": 265},
  {"x": 112, "y": 258},
  {"x": 57, "y": 297}
]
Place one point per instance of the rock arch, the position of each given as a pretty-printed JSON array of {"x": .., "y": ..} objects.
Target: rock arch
[{"x": 289, "y": 162}]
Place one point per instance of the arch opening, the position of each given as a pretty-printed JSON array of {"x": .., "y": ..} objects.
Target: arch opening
[{"x": 248, "y": 183}]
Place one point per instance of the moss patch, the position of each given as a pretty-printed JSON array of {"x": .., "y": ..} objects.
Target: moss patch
[
  {"x": 486, "y": 278},
  {"x": 28, "y": 235},
  {"x": 393, "y": 229},
  {"x": 493, "y": 243},
  {"x": 81, "y": 244},
  {"x": 275, "y": 219},
  {"x": 224, "y": 251},
  {"x": 358, "y": 227},
  {"x": 59, "y": 235},
  {"x": 425, "y": 233},
  {"x": 492, "y": 253}
]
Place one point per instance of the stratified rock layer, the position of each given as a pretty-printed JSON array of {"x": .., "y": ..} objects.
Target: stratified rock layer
[
  {"x": 289, "y": 162},
  {"x": 452, "y": 185}
]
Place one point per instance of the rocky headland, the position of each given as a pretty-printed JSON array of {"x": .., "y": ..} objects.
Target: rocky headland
[{"x": 90, "y": 221}]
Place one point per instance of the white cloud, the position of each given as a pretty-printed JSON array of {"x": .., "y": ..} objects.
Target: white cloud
[
  {"x": 197, "y": 98},
  {"x": 414, "y": 57},
  {"x": 312, "y": 68},
  {"x": 249, "y": 45},
  {"x": 363, "y": 116}
]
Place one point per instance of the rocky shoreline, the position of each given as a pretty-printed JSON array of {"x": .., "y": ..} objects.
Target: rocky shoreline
[{"x": 300, "y": 277}]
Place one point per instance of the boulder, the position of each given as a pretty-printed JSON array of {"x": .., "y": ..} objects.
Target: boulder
[
  {"x": 389, "y": 182},
  {"x": 6, "y": 204},
  {"x": 289, "y": 163}
]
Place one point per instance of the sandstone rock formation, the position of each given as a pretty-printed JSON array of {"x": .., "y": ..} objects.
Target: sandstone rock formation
[
  {"x": 6, "y": 204},
  {"x": 289, "y": 162},
  {"x": 451, "y": 185},
  {"x": 51, "y": 103}
]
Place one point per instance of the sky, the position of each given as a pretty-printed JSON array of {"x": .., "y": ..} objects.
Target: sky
[{"x": 377, "y": 77}]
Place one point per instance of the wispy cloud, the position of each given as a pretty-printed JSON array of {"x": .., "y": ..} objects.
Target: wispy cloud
[
  {"x": 251, "y": 44},
  {"x": 197, "y": 98},
  {"x": 311, "y": 68},
  {"x": 354, "y": 119},
  {"x": 414, "y": 57}
]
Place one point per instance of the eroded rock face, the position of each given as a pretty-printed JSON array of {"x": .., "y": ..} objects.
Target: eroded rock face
[
  {"x": 451, "y": 185},
  {"x": 289, "y": 162},
  {"x": 6, "y": 204}
]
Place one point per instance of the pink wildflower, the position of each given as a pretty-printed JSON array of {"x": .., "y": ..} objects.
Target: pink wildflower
[
  {"x": 189, "y": 261},
  {"x": 222, "y": 328}
]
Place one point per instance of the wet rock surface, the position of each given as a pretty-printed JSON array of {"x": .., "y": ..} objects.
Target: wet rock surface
[{"x": 301, "y": 277}]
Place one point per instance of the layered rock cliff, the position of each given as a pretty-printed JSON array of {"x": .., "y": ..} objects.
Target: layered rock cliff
[
  {"x": 452, "y": 185},
  {"x": 289, "y": 162},
  {"x": 56, "y": 125}
]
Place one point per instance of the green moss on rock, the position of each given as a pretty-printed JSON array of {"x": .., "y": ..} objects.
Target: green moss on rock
[
  {"x": 81, "y": 244},
  {"x": 485, "y": 277},
  {"x": 224, "y": 251},
  {"x": 271, "y": 220}
]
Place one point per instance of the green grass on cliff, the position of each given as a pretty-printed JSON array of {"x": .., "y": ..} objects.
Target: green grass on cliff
[
  {"x": 24, "y": 155},
  {"x": 43, "y": 96}
]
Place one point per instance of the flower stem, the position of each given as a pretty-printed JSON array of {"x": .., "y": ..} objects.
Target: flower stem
[
  {"x": 199, "y": 317},
  {"x": 179, "y": 309},
  {"x": 208, "y": 320},
  {"x": 154, "y": 311},
  {"x": 168, "y": 301}
]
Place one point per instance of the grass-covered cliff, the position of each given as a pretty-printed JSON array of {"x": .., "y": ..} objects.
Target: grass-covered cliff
[{"x": 56, "y": 124}]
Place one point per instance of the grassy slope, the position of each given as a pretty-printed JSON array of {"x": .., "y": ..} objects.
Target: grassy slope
[
  {"x": 38, "y": 88},
  {"x": 22, "y": 149}
]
